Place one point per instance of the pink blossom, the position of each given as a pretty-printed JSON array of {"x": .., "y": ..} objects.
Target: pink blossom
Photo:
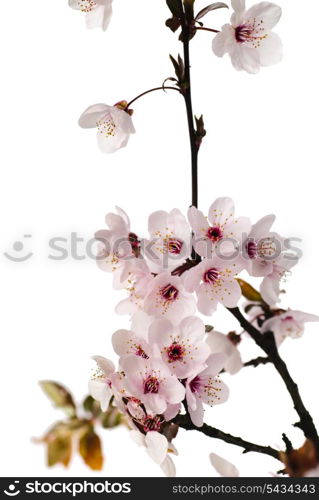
[
  {"x": 214, "y": 281},
  {"x": 182, "y": 348},
  {"x": 168, "y": 298},
  {"x": 98, "y": 12},
  {"x": 169, "y": 243},
  {"x": 126, "y": 342},
  {"x": 118, "y": 247},
  {"x": 249, "y": 39},
  {"x": 221, "y": 230},
  {"x": 151, "y": 381},
  {"x": 288, "y": 324},
  {"x": 113, "y": 123}
]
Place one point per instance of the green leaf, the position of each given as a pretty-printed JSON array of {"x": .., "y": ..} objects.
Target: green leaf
[
  {"x": 92, "y": 406},
  {"x": 60, "y": 396},
  {"x": 213, "y": 6},
  {"x": 112, "y": 418},
  {"x": 90, "y": 449},
  {"x": 249, "y": 292},
  {"x": 59, "y": 450}
]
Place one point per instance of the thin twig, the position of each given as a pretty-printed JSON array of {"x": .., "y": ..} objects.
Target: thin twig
[
  {"x": 206, "y": 29},
  {"x": 267, "y": 343},
  {"x": 185, "y": 422},
  {"x": 148, "y": 92}
]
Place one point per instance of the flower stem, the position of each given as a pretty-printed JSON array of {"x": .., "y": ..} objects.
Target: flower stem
[
  {"x": 189, "y": 108},
  {"x": 267, "y": 343},
  {"x": 206, "y": 29},
  {"x": 185, "y": 422},
  {"x": 148, "y": 92}
]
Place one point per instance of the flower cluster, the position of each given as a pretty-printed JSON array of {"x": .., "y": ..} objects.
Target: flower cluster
[{"x": 168, "y": 360}]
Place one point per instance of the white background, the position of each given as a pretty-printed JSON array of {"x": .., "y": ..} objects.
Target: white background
[{"x": 261, "y": 149}]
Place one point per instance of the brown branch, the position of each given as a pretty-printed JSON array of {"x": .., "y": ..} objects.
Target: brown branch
[
  {"x": 185, "y": 422},
  {"x": 267, "y": 343},
  {"x": 257, "y": 362}
]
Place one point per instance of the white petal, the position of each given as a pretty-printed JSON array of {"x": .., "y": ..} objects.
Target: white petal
[
  {"x": 270, "y": 50},
  {"x": 269, "y": 13},
  {"x": 100, "y": 391},
  {"x": 197, "y": 415},
  {"x": 168, "y": 467},
  {"x": 238, "y": 5},
  {"x": 111, "y": 143},
  {"x": 245, "y": 59},
  {"x": 104, "y": 364},
  {"x": 222, "y": 466},
  {"x": 221, "y": 211},
  {"x": 137, "y": 437},
  {"x": 93, "y": 114},
  {"x": 157, "y": 446},
  {"x": 223, "y": 41}
]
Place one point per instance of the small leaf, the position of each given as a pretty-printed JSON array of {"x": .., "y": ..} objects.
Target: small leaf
[
  {"x": 174, "y": 6},
  {"x": 59, "y": 450},
  {"x": 189, "y": 9},
  {"x": 208, "y": 328},
  {"x": 90, "y": 450},
  {"x": 179, "y": 68},
  {"x": 213, "y": 6},
  {"x": 173, "y": 23},
  {"x": 92, "y": 406},
  {"x": 112, "y": 418},
  {"x": 249, "y": 292},
  {"x": 60, "y": 396}
]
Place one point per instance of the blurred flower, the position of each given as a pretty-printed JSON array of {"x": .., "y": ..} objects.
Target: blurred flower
[
  {"x": 288, "y": 324},
  {"x": 100, "y": 385},
  {"x": 98, "y": 12},
  {"x": 114, "y": 124},
  {"x": 157, "y": 448},
  {"x": 249, "y": 40},
  {"x": 222, "y": 466}
]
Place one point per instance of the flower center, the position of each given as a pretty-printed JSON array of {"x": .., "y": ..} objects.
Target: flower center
[
  {"x": 250, "y": 32},
  {"x": 86, "y": 5},
  {"x": 214, "y": 233},
  {"x": 151, "y": 385},
  {"x": 169, "y": 293},
  {"x": 139, "y": 351},
  {"x": 211, "y": 276},
  {"x": 267, "y": 248},
  {"x": 252, "y": 249},
  {"x": 174, "y": 246},
  {"x": 107, "y": 127},
  {"x": 195, "y": 384},
  {"x": 175, "y": 352},
  {"x": 152, "y": 423}
]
